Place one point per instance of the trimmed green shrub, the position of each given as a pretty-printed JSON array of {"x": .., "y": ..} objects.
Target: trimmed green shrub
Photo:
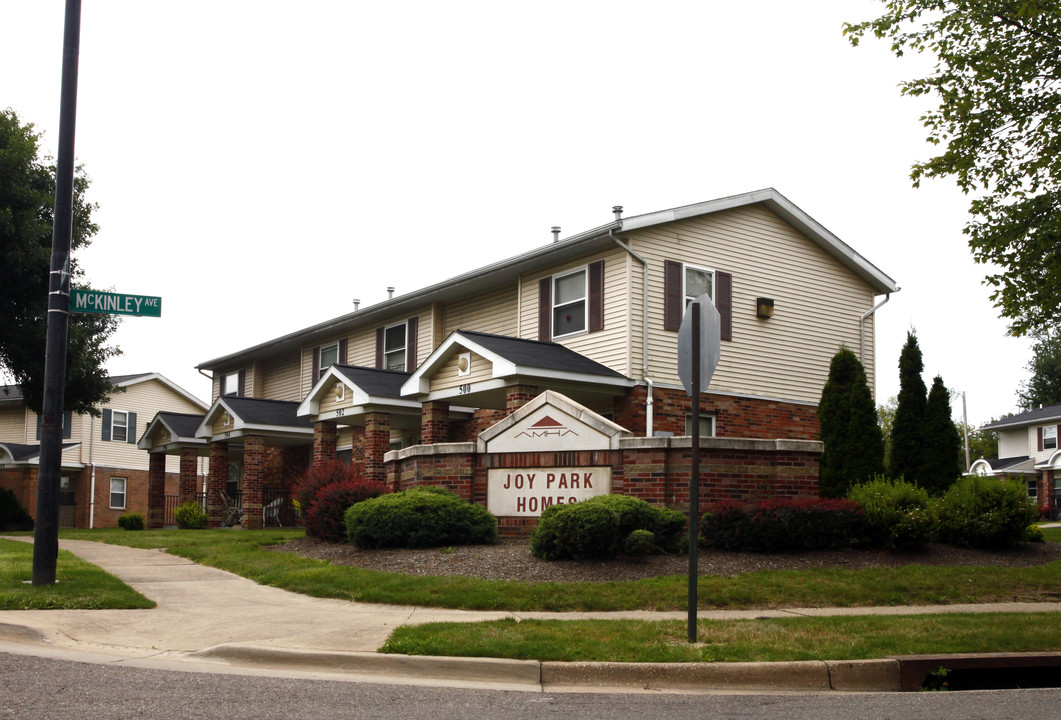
[
  {"x": 986, "y": 512},
  {"x": 666, "y": 525},
  {"x": 639, "y": 543},
  {"x": 190, "y": 516},
  {"x": 898, "y": 513},
  {"x": 1035, "y": 534},
  {"x": 580, "y": 531},
  {"x": 13, "y": 516},
  {"x": 131, "y": 521},
  {"x": 419, "y": 517},
  {"x": 326, "y": 516}
]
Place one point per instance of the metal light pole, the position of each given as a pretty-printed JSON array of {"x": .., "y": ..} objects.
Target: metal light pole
[{"x": 46, "y": 532}]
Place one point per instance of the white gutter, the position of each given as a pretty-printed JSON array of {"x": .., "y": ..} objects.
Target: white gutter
[
  {"x": 862, "y": 327},
  {"x": 644, "y": 328}
]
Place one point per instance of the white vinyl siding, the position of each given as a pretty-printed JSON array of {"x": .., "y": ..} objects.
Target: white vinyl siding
[
  {"x": 280, "y": 379},
  {"x": 818, "y": 302},
  {"x": 493, "y": 312}
]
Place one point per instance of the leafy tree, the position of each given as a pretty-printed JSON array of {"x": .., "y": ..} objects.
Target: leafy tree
[
  {"x": 27, "y": 198},
  {"x": 997, "y": 77},
  {"x": 1044, "y": 387},
  {"x": 982, "y": 443},
  {"x": 886, "y": 420},
  {"x": 907, "y": 447},
  {"x": 942, "y": 450},
  {"x": 854, "y": 446}
]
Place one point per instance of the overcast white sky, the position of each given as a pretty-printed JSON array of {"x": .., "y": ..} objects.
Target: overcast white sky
[{"x": 259, "y": 164}]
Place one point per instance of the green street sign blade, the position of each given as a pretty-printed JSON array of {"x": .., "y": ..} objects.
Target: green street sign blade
[{"x": 105, "y": 303}]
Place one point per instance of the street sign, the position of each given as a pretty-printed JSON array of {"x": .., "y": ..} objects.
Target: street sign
[
  {"x": 710, "y": 344},
  {"x": 105, "y": 303}
]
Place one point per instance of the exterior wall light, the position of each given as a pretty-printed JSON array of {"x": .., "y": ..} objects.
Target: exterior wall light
[{"x": 764, "y": 307}]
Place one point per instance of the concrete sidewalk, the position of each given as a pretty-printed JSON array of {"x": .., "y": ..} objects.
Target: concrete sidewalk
[{"x": 212, "y": 620}]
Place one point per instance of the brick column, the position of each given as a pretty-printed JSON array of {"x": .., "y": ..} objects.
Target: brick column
[
  {"x": 254, "y": 457},
  {"x": 516, "y": 396},
  {"x": 215, "y": 483},
  {"x": 1046, "y": 493},
  {"x": 357, "y": 450},
  {"x": 189, "y": 482},
  {"x": 434, "y": 422},
  {"x": 156, "y": 490},
  {"x": 325, "y": 434},
  {"x": 377, "y": 442}
]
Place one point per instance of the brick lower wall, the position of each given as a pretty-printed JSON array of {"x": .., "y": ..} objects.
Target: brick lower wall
[{"x": 657, "y": 470}]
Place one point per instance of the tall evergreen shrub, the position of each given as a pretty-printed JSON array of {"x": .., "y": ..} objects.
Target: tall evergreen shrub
[
  {"x": 942, "y": 444},
  {"x": 907, "y": 456},
  {"x": 854, "y": 445}
]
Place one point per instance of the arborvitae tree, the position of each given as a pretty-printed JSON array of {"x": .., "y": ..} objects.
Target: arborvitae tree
[
  {"x": 854, "y": 446},
  {"x": 907, "y": 431},
  {"x": 942, "y": 445}
]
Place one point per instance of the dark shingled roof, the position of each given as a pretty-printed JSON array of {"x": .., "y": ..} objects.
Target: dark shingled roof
[
  {"x": 1003, "y": 463},
  {"x": 537, "y": 354},
  {"x": 1050, "y": 412},
  {"x": 377, "y": 383},
  {"x": 21, "y": 452},
  {"x": 182, "y": 424},
  {"x": 256, "y": 411}
]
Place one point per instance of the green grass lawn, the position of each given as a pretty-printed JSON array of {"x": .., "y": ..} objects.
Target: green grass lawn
[
  {"x": 763, "y": 640},
  {"x": 79, "y": 585}
]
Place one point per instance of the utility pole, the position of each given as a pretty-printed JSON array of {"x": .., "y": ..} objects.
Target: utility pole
[
  {"x": 46, "y": 532},
  {"x": 965, "y": 429}
]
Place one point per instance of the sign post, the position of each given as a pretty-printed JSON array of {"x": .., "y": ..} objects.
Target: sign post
[{"x": 699, "y": 346}]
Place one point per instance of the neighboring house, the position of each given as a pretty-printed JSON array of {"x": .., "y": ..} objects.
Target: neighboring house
[
  {"x": 1028, "y": 448},
  {"x": 594, "y": 317},
  {"x": 103, "y": 473}
]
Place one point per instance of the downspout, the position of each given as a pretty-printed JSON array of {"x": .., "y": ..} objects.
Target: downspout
[
  {"x": 862, "y": 328},
  {"x": 91, "y": 464},
  {"x": 644, "y": 328}
]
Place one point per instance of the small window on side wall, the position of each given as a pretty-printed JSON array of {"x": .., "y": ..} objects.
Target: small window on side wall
[
  {"x": 697, "y": 282},
  {"x": 118, "y": 492},
  {"x": 707, "y": 425}
]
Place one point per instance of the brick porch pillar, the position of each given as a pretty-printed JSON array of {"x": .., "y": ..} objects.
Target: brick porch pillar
[
  {"x": 377, "y": 443},
  {"x": 1046, "y": 493},
  {"x": 188, "y": 487},
  {"x": 434, "y": 422},
  {"x": 325, "y": 434},
  {"x": 254, "y": 457},
  {"x": 156, "y": 490},
  {"x": 516, "y": 396},
  {"x": 357, "y": 449},
  {"x": 215, "y": 483}
]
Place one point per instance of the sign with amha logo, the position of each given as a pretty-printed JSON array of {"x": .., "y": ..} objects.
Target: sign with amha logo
[{"x": 547, "y": 427}]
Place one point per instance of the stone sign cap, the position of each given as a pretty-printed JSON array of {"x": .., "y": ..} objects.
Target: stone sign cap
[{"x": 551, "y": 422}]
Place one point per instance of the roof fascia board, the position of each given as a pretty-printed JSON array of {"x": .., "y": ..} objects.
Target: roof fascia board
[
  {"x": 168, "y": 383},
  {"x": 419, "y": 382}
]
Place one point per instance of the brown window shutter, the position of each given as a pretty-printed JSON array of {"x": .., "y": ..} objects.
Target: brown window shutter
[
  {"x": 342, "y": 351},
  {"x": 545, "y": 309},
  {"x": 242, "y": 390},
  {"x": 316, "y": 366},
  {"x": 673, "y": 298},
  {"x": 379, "y": 348},
  {"x": 596, "y": 296},
  {"x": 1039, "y": 432},
  {"x": 724, "y": 303},
  {"x": 221, "y": 385},
  {"x": 410, "y": 343}
]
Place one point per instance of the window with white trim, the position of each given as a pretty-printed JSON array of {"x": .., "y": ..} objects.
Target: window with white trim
[
  {"x": 394, "y": 342},
  {"x": 698, "y": 281},
  {"x": 570, "y": 292},
  {"x": 231, "y": 383},
  {"x": 1050, "y": 437},
  {"x": 329, "y": 356},
  {"x": 118, "y": 491},
  {"x": 119, "y": 426},
  {"x": 1033, "y": 488},
  {"x": 707, "y": 424}
]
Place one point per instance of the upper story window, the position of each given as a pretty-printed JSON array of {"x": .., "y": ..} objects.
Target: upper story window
[
  {"x": 119, "y": 426},
  {"x": 395, "y": 341},
  {"x": 697, "y": 282},
  {"x": 569, "y": 303},
  {"x": 230, "y": 383},
  {"x": 329, "y": 356},
  {"x": 1050, "y": 437}
]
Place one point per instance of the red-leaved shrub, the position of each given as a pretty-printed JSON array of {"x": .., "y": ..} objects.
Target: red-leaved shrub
[
  {"x": 324, "y": 519},
  {"x": 305, "y": 488}
]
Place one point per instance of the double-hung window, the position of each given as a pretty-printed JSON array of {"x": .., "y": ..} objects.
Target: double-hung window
[
  {"x": 117, "y": 497},
  {"x": 569, "y": 303},
  {"x": 1050, "y": 437},
  {"x": 697, "y": 282},
  {"x": 394, "y": 344},
  {"x": 329, "y": 356},
  {"x": 119, "y": 426}
]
